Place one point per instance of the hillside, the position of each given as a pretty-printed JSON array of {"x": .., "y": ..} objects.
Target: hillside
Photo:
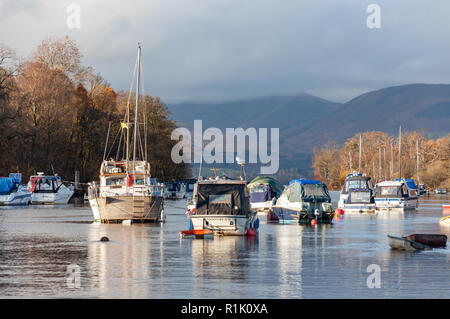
[{"x": 306, "y": 121}]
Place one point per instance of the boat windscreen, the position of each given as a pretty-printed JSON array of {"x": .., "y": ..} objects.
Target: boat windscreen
[
  {"x": 388, "y": 191},
  {"x": 360, "y": 197},
  {"x": 314, "y": 191},
  {"x": 221, "y": 199},
  {"x": 355, "y": 183}
]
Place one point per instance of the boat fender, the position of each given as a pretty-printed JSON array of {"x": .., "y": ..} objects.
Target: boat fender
[
  {"x": 251, "y": 232},
  {"x": 313, "y": 222},
  {"x": 256, "y": 223}
]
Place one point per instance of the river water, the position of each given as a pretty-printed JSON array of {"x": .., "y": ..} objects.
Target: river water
[{"x": 40, "y": 246}]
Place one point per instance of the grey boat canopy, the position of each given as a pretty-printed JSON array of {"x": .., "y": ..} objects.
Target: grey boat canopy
[{"x": 221, "y": 197}]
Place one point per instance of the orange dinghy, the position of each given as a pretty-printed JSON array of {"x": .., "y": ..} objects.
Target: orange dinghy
[{"x": 197, "y": 234}]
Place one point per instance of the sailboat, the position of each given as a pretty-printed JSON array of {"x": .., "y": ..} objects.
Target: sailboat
[{"x": 127, "y": 192}]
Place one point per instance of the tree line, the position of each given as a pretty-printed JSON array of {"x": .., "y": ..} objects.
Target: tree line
[
  {"x": 55, "y": 114},
  {"x": 426, "y": 160}
]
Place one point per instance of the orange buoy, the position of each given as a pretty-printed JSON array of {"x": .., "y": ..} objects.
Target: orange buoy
[
  {"x": 339, "y": 211},
  {"x": 313, "y": 222}
]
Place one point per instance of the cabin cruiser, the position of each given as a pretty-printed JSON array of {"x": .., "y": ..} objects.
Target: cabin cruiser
[
  {"x": 222, "y": 205},
  {"x": 304, "y": 200},
  {"x": 357, "y": 181},
  {"x": 174, "y": 190},
  {"x": 398, "y": 194},
  {"x": 439, "y": 191},
  {"x": 264, "y": 192},
  {"x": 12, "y": 192},
  {"x": 48, "y": 189}
]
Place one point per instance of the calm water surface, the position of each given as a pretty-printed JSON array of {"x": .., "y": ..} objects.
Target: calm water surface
[{"x": 37, "y": 244}]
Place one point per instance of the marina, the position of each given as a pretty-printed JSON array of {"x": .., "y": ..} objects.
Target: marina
[{"x": 38, "y": 243}]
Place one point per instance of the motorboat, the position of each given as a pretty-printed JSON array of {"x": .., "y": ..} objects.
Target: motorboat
[
  {"x": 49, "y": 189},
  {"x": 12, "y": 192},
  {"x": 354, "y": 180},
  {"x": 304, "y": 200},
  {"x": 416, "y": 242},
  {"x": 264, "y": 192},
  {"x": 174, "y": 190},
  {"x": 398, "y": 194},
  {"x": 222, "y": 205},
  {"x": 440, "y": 191}
]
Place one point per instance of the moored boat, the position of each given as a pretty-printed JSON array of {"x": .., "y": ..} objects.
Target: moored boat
[
  {"x": 445, "y": 221},
  {"x": 402, "y": 243},
  {"x": 304, "y": 200},
  {"x": 446, "y": 209},
  {"x": 174, "y": 190},
  {"x": 264, "y": 191},
  {"x": 418, "y": 242},
  {"x": 440, "y": 191},
  {"x": 126, "y": 193},
  {"x": 12, "y": 192},
  {"x": 395, "y": 195},
  {"x": 48, "y": 189},
  {"x": 354, "y": 180},
  {"x": 222, "y": 205},
  {"x": 197, "y": 234}
]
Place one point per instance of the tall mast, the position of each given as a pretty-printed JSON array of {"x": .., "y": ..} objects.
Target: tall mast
[
  {"x": 417, "y": 156},
  {"x": 136, "y": 110},
  {"x": 400, "y": 152},
  {"x": 360, "y": 145}
]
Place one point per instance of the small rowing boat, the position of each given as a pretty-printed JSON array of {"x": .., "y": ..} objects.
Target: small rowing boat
[
  {"x": 432, "y": 240},
  {"x": 418, "y": 242},
  {"x": 197, "y": 234},
  {"x": 401, "y": 243}
]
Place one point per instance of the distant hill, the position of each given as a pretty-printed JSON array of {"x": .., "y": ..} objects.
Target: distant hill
[{"x": 306, "y": 121}]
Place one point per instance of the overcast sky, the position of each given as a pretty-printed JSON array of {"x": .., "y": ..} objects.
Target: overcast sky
[{"x": 230, "y": 49}]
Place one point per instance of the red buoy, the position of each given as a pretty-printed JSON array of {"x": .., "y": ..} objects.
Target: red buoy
[
  {"x": 252, "y": 232},
  {"x": 339, "y": 212},
  {"x": 313, "y": 222}
]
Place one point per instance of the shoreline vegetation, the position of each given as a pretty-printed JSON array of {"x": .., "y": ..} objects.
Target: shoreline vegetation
[
  {"x": 380, "y": 159},
  {"x": 55, "y": 114}
]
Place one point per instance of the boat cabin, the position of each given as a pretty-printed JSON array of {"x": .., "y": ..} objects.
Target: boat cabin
[
  {"x": 392, "y": 189},
  {"x": 44, "y": 183},
  {"x": 358, "y": 182},
  {"x": 221, "y": 197}
]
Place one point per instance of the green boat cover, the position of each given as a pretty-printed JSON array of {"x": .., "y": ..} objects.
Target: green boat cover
[{"x": 267, "y": 180}]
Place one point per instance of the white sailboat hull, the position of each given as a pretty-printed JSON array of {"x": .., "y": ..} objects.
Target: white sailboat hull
[{"x": 227, "y": 225}]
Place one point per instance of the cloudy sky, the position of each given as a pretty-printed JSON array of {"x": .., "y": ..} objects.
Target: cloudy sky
[{"x": 230, "y": 49}]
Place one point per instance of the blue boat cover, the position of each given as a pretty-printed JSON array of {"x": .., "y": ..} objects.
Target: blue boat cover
[
  {"x": 17, "y": 177},
  {"x": 7, "y": 184},
  {"x": 410, "y": 182},
  {"x": 302, "y": 181}
]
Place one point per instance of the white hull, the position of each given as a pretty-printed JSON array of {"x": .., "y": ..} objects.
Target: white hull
[
  {"x": 224, "y": 224},
  {"x": 359, "y": 209},
  {"x": 16, "y": 198},
  {"x": 262, "y": 207},
  {"x": 342, "y": 199},
  {"x": 61, "y": 197},
  {"x": 396, "y": 203}
]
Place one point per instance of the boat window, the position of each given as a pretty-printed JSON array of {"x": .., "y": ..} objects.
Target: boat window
[
  {"x": 115, "y": 181},
  {"x": 387, "y": 190},
  {"x": 356, "y": 183},
  {"x": 139, "y": 181},
  {"x": 314, "y": 190},
  {"x": 360, "y": 197},
  {"x": 258, "y": 189},
  {"x": 220, "y": 199}
]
